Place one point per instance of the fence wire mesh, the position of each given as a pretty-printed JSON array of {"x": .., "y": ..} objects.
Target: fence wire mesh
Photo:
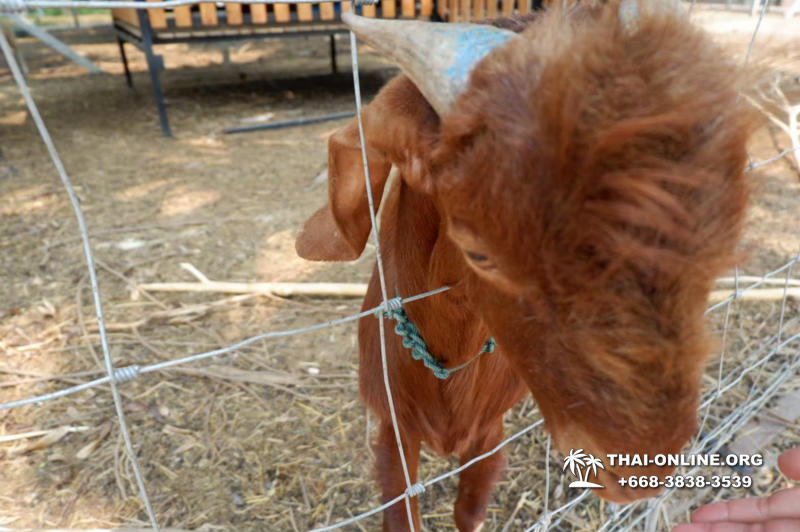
[{"x": 751, "y": 373}]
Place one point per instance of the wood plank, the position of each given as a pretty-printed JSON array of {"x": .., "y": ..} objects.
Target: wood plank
[
  {"x": 465, "y": 11},
  {"x": 326, "y": 11},
  {"x": 426, "y": 8},
  {"x": 345, "y": 7},
  {"x": 183, "y": 16},
  {"x": 305, "y": 13},
  {"x": 158, "y": 18},
  {"x": 441, "y": 9},
  {"x": 234, "y": 14},
  {"x": 409, "y": 8},
  {"x": 282, "y": 12},
  {"x": 491, "y": 8},
  {"x": 452, "y": 12},
  {"x": 524, "y": 6},
  {"x": 369, "y": 11},
  {"x": 258, "y": 13},
  {"x": 126, "y": 15},
  {"x": 508, "y": 7},
  {"x": 208, "y": 14},
  {"x": 388, "y": 8},
  {"x": 479, "y": 10}
]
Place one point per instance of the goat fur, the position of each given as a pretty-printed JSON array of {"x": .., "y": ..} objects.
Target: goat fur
[{"x": 579, "y": 198}]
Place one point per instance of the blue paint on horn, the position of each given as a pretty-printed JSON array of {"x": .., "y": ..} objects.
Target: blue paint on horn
[
  {"x": 438, "y": 58},
  {"x": 473, "y": 44}
]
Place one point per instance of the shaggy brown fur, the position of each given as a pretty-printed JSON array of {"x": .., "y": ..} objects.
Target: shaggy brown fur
[{"x": 579, "y": 198}]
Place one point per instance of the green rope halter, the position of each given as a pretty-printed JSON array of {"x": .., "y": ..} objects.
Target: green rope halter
[{"x": 412, "y": 339}]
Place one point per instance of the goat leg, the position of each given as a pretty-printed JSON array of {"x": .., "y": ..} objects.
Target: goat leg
[
  {"x": 475, "y": 483},
  {"x": 392, "y": 479}
]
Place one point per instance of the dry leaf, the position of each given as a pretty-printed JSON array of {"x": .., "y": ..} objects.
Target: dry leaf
[
  {"x": 92, "y": 446},
  {"x": 52, "y": 436}
]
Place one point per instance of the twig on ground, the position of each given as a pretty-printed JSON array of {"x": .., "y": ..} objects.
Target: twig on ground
[
  {"x": 757, "y": 279},
  {"x": 37, "y": 433},
  {"x": 763, "y": 294},
  {"x": 279, "y": 289}
]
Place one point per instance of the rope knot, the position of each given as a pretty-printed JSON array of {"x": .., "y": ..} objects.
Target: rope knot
[
  {"x": 489, "y": 346},
  {"x": 416, "y": 489},
  {"x": 413, "y": 341},
  {"x": 126, "y": 374},
  {"x": 12, "y": 6},
  {"x": 439, "y": 372}
]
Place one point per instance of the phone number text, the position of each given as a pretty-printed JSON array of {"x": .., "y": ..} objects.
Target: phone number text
[{"x": 687, "y": 481}]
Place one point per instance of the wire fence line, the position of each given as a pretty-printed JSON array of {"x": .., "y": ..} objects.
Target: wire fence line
[
  {"x": 89, "y": 257},
  {"x": 419, "y": 488},
  {"x": 629, "y": 516},
  {"x": 750, "y": 405},
  {"x": 131, "y": 372},
  {"x": 781, "y": 155},
  {"x": 729, "y": 425}
]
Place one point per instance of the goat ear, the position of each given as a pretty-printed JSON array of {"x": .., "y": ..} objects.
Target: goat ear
[
  {"x": 339, "y": 230},
  {"x": 399, "y": 127}
]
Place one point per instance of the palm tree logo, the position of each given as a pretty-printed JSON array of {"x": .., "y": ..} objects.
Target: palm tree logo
[{"x": 577, "y": 460}]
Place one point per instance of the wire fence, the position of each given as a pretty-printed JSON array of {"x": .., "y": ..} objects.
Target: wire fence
[{"x": 780, "y": 351}]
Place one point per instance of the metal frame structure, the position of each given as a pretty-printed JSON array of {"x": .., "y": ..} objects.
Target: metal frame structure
[
  {"x": 28, "y": 27},
  {"x": 145, "y": 38}
]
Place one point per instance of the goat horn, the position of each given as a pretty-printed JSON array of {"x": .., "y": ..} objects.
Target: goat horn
[
  {"x": 629, "y": 11},
  {"x": 437, "y": 57}
]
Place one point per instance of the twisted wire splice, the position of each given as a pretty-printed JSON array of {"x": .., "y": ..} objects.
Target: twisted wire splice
[
  {"x": 127, "y": 373},
  {"x": 416, "y": 489}
]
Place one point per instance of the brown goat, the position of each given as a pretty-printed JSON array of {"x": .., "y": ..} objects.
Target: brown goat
[{"x": 579, "y": 197}]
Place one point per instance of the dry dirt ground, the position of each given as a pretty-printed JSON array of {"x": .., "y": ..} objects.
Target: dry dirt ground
[{"x": 272, "y": 436}]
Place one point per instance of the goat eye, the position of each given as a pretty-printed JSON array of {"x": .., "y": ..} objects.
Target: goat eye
[{"x": 476, "y": 257}]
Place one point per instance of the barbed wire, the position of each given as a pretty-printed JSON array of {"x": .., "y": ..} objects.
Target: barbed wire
[{"x": 730, "y": 424}]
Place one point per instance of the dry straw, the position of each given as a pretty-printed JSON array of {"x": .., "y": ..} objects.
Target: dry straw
[{"x": 777, "y": 358}]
